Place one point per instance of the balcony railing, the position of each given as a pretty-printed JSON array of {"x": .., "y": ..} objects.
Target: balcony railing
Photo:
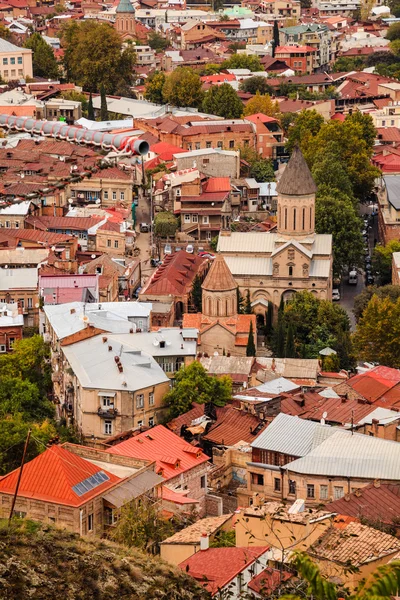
[{"x": 108, "y": 412}]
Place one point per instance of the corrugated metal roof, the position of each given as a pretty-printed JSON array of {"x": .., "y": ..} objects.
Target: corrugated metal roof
[
  {"x": 249, "y": 265},
  {"x": 247, "y": 242},
  {"x": 320, "y": 268},
  {"x": 375, "y": 502},
  {"x": 293, "y": 436},
  {"x": 133, "y": 488},
  {"x": 346, "y": 455}
]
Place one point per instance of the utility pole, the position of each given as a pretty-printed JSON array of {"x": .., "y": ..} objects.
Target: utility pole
[{"x": 19, "y": 476}]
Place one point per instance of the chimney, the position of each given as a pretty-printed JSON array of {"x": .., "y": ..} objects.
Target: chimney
[{"x": 204, "y": 541}]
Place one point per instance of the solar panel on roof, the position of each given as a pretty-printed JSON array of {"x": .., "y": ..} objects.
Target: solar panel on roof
[{"x": 90, "y": 483}]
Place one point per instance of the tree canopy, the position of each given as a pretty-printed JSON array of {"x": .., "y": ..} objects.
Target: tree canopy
[
  {"x": 156, "y": 41},
  {"x": 382, "y": 261},
  {"x": 94, "y": 57},
  {"x": 255, "y": 84},
  {"x": 154, "y": 87},
  {"x": 361, "y": 301},
  {"x": 165, "y": 224},
  {"x": 193, "y": 384},
  {"x": 243, "y": 61},
  {"x": 44, "y": 63},
  {"x": 261, "y": 104},
  {"x": 183, "y": 88},
  {"x": 223, "y": 101}
]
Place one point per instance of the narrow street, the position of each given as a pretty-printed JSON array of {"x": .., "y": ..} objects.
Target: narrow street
[{"x": 143, "y": 239}]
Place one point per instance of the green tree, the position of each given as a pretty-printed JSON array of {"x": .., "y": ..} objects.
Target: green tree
[
  {"x": 43, "y": 61},
  {"x": 338, "y": 217},
  {"x": 243, "y": 61},
  {"x": 21, "y": 396},
  {"x": 307, "y": 125},
  {"x": 393, "y": 33},
  {"x": 262, "y": 170},
  {"x": 290, "y": 349},
  {"x": 361, "y": 301},
  {"x": 280, "y": 338},
  {"x": 183, "y": 88},
  {"x": 364, "y": 120},
  {"x": 224, "y": 539},
  {"x": 29, "y": 361},
  {"x": 240, "y": 302},
  {"x": 223, "y": 101},
  {"x": 330, "y": 174},
  {"x": 197, "y": 294},
  {"x": 211, "y": 69},
  {"x": 91, "y": 115},
  {"x": 287, "y": 121},
  {"x": 275, "y": 37},
  {"x": 348, "y": 63},
  {"x": 154, "y": 87},
  {"x": 157, "y": 42},
  {"x": 214, "y": 243},
  {"x": 94, "y": 56},
  {"x": 262, "y": 104},
  {"x": 165, "y": 224},
  {"x": 5, "y": 33},
  {"x": 251, "y": 347},
  {"x": 255, "y": 84},
  {"x": 382, "y": 261},
  {"x": 247, "y": 306},
  {"x": 103, "y": 105},
  {"x": 193, "y": 384}
]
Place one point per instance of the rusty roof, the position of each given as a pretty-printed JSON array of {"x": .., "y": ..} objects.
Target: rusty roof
[
  {"x": 375, "y": 502},
  {"x": 235, "y": 426}
]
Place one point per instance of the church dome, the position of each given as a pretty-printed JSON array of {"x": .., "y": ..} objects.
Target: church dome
[
  {"x": 219, "y": 277},
  {"x": 296, "y": 179}
]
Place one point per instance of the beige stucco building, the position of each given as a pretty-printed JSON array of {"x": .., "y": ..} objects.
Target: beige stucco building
[
  {"x": 15, "y": 62},
  {"x": 272, "y": 266}
]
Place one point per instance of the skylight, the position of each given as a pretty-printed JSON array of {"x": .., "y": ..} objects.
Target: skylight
[{"x": 90, "y": 483}]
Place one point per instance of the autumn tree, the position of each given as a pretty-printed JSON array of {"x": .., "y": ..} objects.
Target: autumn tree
[
  {"x": 193, "y": 384},
  {"x": 362, "y": 300},
  {"x": 44, "y": 63},
  {"x": 262, "y": 104},
  {"x": 255, "y": 84},
  {"x": 306, "y": 125},
  {"x": 157, "y": 42},
  {"x": 243, "y": 61},
  {"x": 94, "y": 57},
  {"x": 183, "y": 88},
  {"x": 223, "y": 101},
  {"x": 154, "y": 87}
]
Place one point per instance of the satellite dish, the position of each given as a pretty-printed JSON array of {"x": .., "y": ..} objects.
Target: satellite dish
[
  {"x": 53, "y": 248},
  {"x": 93, "y": 256},
  {"x": 325, "y": 415},
  {"x": 98, "y": 201},
  {"x": 37, "y": 305},
  {"x": 70, "y": 201},
  {"x": 6, "y": 266},
  {"x": 85, "y": 318}
]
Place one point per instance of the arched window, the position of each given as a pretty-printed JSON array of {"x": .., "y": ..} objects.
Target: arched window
[
  {"x": 310, "y": 217},
  {"x": 227, "y": 306},
  {"x": 304, "y": 219},
  {"x": 285, "y": 218},
  {"x": 290, "y": 271},
  {"x": 294, "y": 219},
  {"x": 209, "y": 305}
]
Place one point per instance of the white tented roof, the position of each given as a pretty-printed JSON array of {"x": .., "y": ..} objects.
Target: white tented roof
[{"x": 19, "y": 208}]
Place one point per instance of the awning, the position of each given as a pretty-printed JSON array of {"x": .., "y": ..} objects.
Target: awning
[
  {"x": 107, "y": 394},
  {"x": 135, "y": 487}
]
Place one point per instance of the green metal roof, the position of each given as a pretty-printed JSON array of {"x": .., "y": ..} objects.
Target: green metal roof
[{"x": 125, "y": 6}]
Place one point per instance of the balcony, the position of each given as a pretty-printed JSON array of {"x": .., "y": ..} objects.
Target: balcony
[{"x": 107, "y": 412}]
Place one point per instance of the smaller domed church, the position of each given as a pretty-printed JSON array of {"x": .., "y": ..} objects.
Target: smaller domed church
[
  {"x": 125, "y": 23},
  {"x": 221, "y": 328}
]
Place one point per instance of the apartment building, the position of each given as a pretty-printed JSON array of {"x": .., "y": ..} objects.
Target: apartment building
[{"x": 15, "y": 62}]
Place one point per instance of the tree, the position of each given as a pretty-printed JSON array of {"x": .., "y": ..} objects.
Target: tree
[
  {"x": 154, "y": 87},
  {"x": 141, "y": 524},
  {"x": 290, "y": 350},
  {"x": 214, "y": 243},
  {"x": 91, "y": 116},
  {"x": 261, "y": 104},
  {"x": 103, "y": 105},
  {"x": 193, "y": 384},
  {"x": 393, "y": 33},
  {"x": 332, "y": 174},
  {"x": 262, "y": 170},
  {"x": 382, "y": 260},
  {"x": 94, "y": 57},
  {"x": 367, "y": 126},
  {"x": 287, "y": 121},
  {"x": 223, "y": 101},
  {"x": 275, "y": 37},
  {"x": 243, "y": 61},
  {"x": 165, "y": 224},
  {"x": 211, "y": 69},
  {"x": 5, "y": 33},
  {"x": 240, "y": 302},
  {"x": 361, "y": 301},
  {"x": 247, "y": 305},
  {"x": 43, "y": 61},
  {"x": 251, "y": 347},
  {"x": 183, "y": 88},
  {"x": 348, "y": 63},
  {"x": 280, "y": 339},
  {"x": 157, "y": 42},
  {"x": 307, "y": 125},
  {"x": 337, "y": 216},
  {"x": 197, "y": 294},
  {"x": 269, "y": 319},
  {"x": 255, "y": 84}
]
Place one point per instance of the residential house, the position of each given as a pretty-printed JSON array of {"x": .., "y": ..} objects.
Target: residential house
[
  {"x": 241, "y": 369},
  {"x": 77, "y": 488},
  {"x": 195, "y": 34},
  {"x": 62, "y": 288},
  {"x": 212, "y": 162},
  {"x": 11, "y": 326},
  {"x": 16, "y": 62},
  {"x": 13, "y": 216},
  {"x": 225, "y": 570},
  {"x": 379, "y": 386},
  {"x": 314, "y": 35},
  {"x": 186, "y": 542},
  {"x": 61, "y": 109},
  {"x": 342, "y": 8},
  {"x": 20, "y": 285},
  {"x": 183, "y": 467},
  {"x": 299, "y": 58},
  {"x": 282, "y": 9},
  {"x": 270, "y": 139},
  {"x": 119, "y": 278},
  {"x": 389, "y": 208},
  {"x": 110, "y": 186}
]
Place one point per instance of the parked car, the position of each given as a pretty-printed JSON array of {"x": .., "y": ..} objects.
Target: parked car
[
  {"x": 353, "y": 277},
  {"x": 154, "y": 262},
  {"x": 190, "y": 248},
  {"x": 167, "y": 249},
  {"x": 335, "y": 295},
  {"x": 369, "y": 279},
  {"x": 144, "y": 228},
  {"x": 178, "y": 249},
  {"x": 207, "y": 255},
  {"x": 365, "y": 232}
]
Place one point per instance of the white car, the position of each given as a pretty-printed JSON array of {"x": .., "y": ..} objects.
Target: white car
[
  {"x": 167, "y": 249},
  {"x": 190, "y": 248},
  {"x": 335, "y": 295}
]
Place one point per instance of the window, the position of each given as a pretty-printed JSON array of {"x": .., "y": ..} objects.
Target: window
[
  {"x": 292, "y": 487},
  {"x": 285, "y": 218},
  {"x": 151, "y": 421},
  {"x": 107, "y": 401},
  {"x": 5, "y": 73},
  {"x": 140, "y": 401},
  {"x": 115, "y": 243},
  {"x": 8, "y": 224},
  {"x": 151, "y": 398},
  {"x": 290, "y": 271},
  {"x": 197, "y": 146},
  {"x": 277, "y": 484},
  {"x": 122, "y": 195},
  {"x": 108, "y": 243},
  {"x": 5, "y": 61},
  {"x": 90, "y": 521},
  {"x": 195, "y": 218},
  {"x": 114, "y": 195},
  {"x": 11, "y": 343},
  {"x": 246, "y": 142},
  {"x": 219, "y": 145},
  {"x": 139, "y": 423},
  {"x": 205, "y": 220},
  {"x": 19, "y": 60},
  {"x": 13, "y": 72},
  {"x": 105, "y": 195},
  {"x": 323, "y": 492},
  {"x": 310, "y": 490},
  {"x": 203, "y": 482},
  {"x": 187, "y": 218},
  {"x": 338, "y": 492},
  {"x": 21, "y": 301},
  {"x": 208, "y": 144},
  {"x": 231, "y": 143},
  {"x": 108, "y": 427},
  {"x": 294, "y": 219},
  {"x": 12, "y": 60},
  {"x": 2, "y": 348},
  {"x": 16, "y": 224},
  {"x": 257, "y": 479}
]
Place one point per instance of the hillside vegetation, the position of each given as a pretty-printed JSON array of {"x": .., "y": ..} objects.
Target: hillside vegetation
[{"x": 39, "y": 562}]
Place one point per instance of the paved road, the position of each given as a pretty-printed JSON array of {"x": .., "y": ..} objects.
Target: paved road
[{"x": 143, "y": 239}]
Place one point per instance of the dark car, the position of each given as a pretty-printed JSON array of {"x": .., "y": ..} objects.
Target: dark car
[
  {"x": 369, "y": 280},
  {"x": 144, "y": 228}
]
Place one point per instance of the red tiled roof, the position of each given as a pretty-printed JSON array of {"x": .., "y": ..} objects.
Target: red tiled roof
[
  {"x": 165, "y": 151},
  {"x": 267, "y": 581},
  {"x": 73, "y": 223},
  {"x": 260, "y": 117},
  {"x": 220, "y": 78},
  {"x": 234, "y": 426},
  {"x": 293, "y": 49},
  {"x": 175, "y": 497},
  {"x": 52, "y": 475},
  {"x": 175, "y": 275},
  {"x": 216, "y": 567},
  {"x": 376, "y": 383},
  {"x": 217, "y": 184},
  {"x": 338, "y": 117},
  {"x": 376, "y": 503},
  {"x": 34, "y": 235},
  {"x": 388, "y": 134},
  {"x": 156, "y": 444}
]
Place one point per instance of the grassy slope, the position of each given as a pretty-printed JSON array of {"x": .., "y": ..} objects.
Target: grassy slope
[{"x": 41, "y": 562}]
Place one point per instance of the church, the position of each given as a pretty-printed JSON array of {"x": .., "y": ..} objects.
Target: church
[
  {"x": 272, "y": 266},
  {"x": 125, "y": 23}
]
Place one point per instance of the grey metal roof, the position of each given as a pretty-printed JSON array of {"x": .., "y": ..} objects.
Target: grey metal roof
[
  {"x": 320, "y": 268},
  {"x": 292, "y": 435},
  {"x": 249, "y": 265},
  {"x": 392, "y": 183},
  {"x": 257, "y": 244},
  {"x": 133, "y": 488},
  {"x": 8, "y": 47},
  {"x": 346, "y": 455}
]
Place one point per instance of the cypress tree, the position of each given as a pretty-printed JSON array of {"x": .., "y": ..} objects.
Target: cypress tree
[
  {"x": 251, "y": 347},
  {"x": 280, "y": 339},
  {"x": 240, "y": 301},
  {"x": 90, "y": 108},
  {"x": 197, "y": 294},
  {"x": 275, "y": 38},
  {"x": 103, "y": 105},
  {"x": 269, "y": 318},
  {"x": 247, "y": 306},
  {"x": 290, "y": 350}
]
